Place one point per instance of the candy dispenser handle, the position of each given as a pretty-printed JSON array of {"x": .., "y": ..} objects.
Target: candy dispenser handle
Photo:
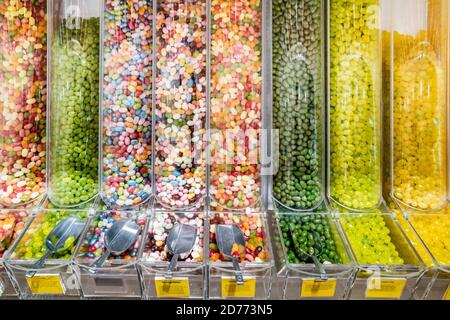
[
  {"x": 237, "y": 271},
  {"x": 38, "y": 265},
  {"x": 320, "y": 268},
  {"x": 99, "y": 262},
  {"x": 172, "y": 266}
]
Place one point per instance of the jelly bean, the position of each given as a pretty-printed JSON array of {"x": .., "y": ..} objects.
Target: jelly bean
[
  {"x": 371, "y": 239},
  {"x": 127, "y": 102},
  {"x": 433, "y": 229},
  {"x": 236, "y": 85},
  {"x": 93, "y": 244},
  {"x": 419, "y": 120},
  {"x": 155, "y": 246},
  {"x": 32, "y": 245},
  {"x": 355, "y": 103},
  {"x": 180, "y": 166},
  {"x": 23, "y": 80},
  {"x": 309, "y": 234},
  {"x": 298, "y": 105},
  {"x": 73, "y": 172},
  {"x": 254, "y": 233}
]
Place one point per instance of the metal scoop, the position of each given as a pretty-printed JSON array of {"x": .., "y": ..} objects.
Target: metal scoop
[
  {"x": 304, "y": 254},
  {"x": 119, "y": 238},
  {"x": 227, "y": 236},
  {"x": 181, "y": 240},
  {"x": 61, "y": 238}
]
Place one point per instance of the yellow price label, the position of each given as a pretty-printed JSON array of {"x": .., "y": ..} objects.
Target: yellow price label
[
  {"x": 172, "y": 288},
  {"x": 316, "y": 288},
  {"x": 46, "y": 284},
  {"x": 378, "y": 288},
  {"x": 447, "y": 294},
  {"x": 231, "y": 289}
]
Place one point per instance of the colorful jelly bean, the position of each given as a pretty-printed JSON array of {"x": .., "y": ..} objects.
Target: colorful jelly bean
[
  {"x": 308, "y": 235},
  {"x": 23, "y": 80},
  {"x": 371, "y": 239},
  {"x": 73, "y": 170},
  {"x": 252, "y": 227},
  {"x": 155, "y": 246},
  {"x": 180, "y": 164},
  {"x": 127, "y": 102},
  {"x": 236, "y": 87},
  {"x": 94, "y": 241},
  {"x": 419, "y": 119},
  {"x": 355, "y": 103},
  {"x": 32, "y": 245},
  {"x": 298, "y": 103}
]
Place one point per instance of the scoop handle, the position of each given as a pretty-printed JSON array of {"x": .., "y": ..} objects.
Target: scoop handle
[
  {"x": 100, "y": 261},
  {"x": 237, "y": 271},
  {"x": 172, "y": 265},
  {"x": 320, "y": 268},
  {"x": 38, "y": 265}
]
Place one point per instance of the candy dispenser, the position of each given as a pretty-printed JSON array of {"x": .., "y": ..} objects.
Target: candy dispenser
[
  {"x": 418, "y": 65},
  {"x": 298, "y": 103},
  {"x": 256, "y": 266},
  {"x": 388, "y": 266},
  {"x": 126, "y": 176},
  {"x": 74, "y": 39},
  {"x": 428, "y": 233},
  {"x": 354, "y": 153},
  {"x": 23, "y": 87},
  {"x": 188, "y": 281},
  {"x": 236, "y": 104},
  {"x": 181, "y": 104},
  {"x": 119, "y": 275},
  {"x": 12, "y": 223},
  {"x": 56, "y": 279},
  {"x": 315, "y": 233}
]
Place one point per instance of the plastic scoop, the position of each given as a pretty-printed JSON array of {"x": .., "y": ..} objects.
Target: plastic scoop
[
  {"x": 231, "y": 243},
  {"x": 61, "y": 238},
  {"x": 304, "y": 254},
  {"x": 119, "y": 238},
  {"x": 181, "y": 240}
]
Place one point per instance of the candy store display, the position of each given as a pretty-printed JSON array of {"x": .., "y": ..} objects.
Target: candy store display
[
  {"x": 354, "y": 110},
  {"x": 127, "y": 102},
  {"x": 308, "y": 235},
  {"x": 155, "y": 248},
  {"x": 23, "y": 87},
  {"x": 93, "y": 242},
  {"x": 419, "y": 175},
  {"x": 236, "y": 103},
  {"x": 298, "y": 101},
  {"x": 371, "y": 239},
  {"x": 255, "y": 234},
  {"x": 74, "y": 104},
  {"x": 180, "y": 163},
  {"x": 32, "y": 244}
]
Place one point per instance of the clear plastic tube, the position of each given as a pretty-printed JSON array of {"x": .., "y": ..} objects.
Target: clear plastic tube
[
  {"x": 23, "y": 95},
  {"x": 298, "y": 102},
  {"x": 180, "y": 128},
  {"x": 74, "y": 104},
  {"x": 236, "y": 116},
  {"x": 419, "y": 106},
  {"x": 127, "y": 103},
  {"x": 355, "y": 103}
]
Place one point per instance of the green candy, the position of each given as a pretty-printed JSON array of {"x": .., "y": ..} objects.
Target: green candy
[
  {"x": 74, "y": 130},
  {"x": 311, "y": 234},
  {"x": 298, "y": 105},
  {"x": 355, "y": 103}
]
